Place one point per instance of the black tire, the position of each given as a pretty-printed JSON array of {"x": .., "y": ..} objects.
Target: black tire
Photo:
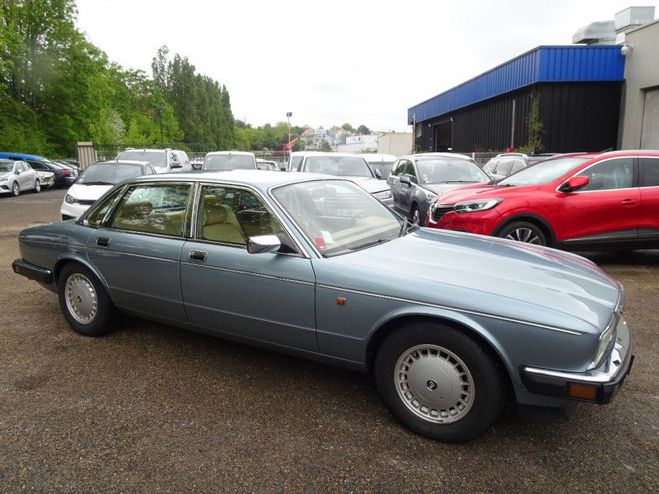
[
  {"x": 100, "y": 323},
  {"x": 415, "y": 216},
  {"x": 37, "y": 186},
  {"x": 520, "y": 230},
  {"x": 16, "y": 189},
  {"x": 487, "y": 385}
]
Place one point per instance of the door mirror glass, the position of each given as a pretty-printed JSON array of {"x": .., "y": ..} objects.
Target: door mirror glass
[
  {"x": 378, "y": 174},
  {"x": 263, "y": 243}
]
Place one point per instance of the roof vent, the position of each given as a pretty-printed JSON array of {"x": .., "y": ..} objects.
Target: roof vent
[
  {"x": 596, "y": 33},
  {"x": 632, "y": 17}
]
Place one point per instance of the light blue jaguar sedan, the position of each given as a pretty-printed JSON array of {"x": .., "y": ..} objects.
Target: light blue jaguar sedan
[{"x": 450, "y": 325}]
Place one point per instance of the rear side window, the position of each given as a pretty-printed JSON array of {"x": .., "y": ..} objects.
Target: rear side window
[
  {"x": 153, "y": 208},
  {"x": 649, "y": 172}
]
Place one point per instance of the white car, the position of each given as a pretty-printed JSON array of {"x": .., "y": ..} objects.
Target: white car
[
  {"x": 224, "y": 161},
  {"x": 380, "y": 162},
  {"x": 162, "y": 160},
  {"x": 96, "y": 180},
  {"x": 17, "y": 176}
]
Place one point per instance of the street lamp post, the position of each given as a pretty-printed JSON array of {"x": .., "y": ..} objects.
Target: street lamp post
[
  {"x": 160, "y": 110},
  {"x": 288, "y": 119}
]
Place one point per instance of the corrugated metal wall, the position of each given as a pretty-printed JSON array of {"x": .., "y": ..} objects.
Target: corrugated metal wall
[
  {"x": 574, "y": 63},
  {"x": 576, "y": 117}
]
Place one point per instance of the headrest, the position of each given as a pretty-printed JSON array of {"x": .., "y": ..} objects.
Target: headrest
[{"x": 214, "y": 214}]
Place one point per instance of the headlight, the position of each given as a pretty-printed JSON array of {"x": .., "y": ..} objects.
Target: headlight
[
  {"x": 479, "y": 205},
  {"x": 385, "y": 194},
  {"x": 69, "y": 199},
  {"x": 605, "y": 339}
]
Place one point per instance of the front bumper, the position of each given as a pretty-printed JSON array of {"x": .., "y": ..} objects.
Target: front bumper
[
  {"x": 73, "y": 210},
  {"x": 32, "y": 272},
  {"x": 604, "y": 382}
]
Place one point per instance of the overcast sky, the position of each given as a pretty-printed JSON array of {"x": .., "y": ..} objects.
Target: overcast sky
[{"x": 362, "y": 62}]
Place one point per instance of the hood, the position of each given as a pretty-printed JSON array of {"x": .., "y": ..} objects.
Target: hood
[
  {"x": 370, "y": 184},
  {"x": 482, "y": 190},
  {"x": 443, "y": 188},
  {"x": 484, "y": 275},
  {"x": 88, "y": 192}
]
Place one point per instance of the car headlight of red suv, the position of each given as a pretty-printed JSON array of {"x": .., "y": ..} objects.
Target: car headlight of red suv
[{"x": 477, "y": 205}]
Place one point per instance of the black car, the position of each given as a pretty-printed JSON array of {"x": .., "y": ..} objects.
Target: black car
[{"x": 64, "y": 175}]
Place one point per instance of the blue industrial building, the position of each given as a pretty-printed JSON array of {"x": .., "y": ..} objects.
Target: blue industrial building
[{"x": 576, "y": 90}]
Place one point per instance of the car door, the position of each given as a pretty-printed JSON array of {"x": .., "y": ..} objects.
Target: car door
[
  {"x": 266, "y": 297},
  {"x": 607, "y": 208},
  {"x": 649, "y": 190},
  {"x": 408, "y": 190},
  {"x": 394, "y": 182},
  {"x": 25, "y": 178},
  {"x": 138, "y": 249}
]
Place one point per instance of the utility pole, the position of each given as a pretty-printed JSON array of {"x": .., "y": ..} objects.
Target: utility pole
[
  {"x": 160, "y": 110},
  {"x": 288, "y": 119}
]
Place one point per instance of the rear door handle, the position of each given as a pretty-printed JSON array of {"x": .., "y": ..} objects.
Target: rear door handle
[
  {"x": 198, "y": 255},
  {"x": 102, "y": 241}
]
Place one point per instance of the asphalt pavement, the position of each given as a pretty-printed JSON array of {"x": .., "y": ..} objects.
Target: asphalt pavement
[{"x": 150, "y": 408}]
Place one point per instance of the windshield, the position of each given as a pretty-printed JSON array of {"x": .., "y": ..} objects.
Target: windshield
[
  {"x": 338, "y": 216},
  {"x": 438, "y": 170},
  {"x": 226, "y": 162},
  {"x": 156, "y": 158},
  {"x": 6, "y": 166},
  {"x": 110, "y": 173},
  {"x": 342, "y": 166},
  {"x": 544, "y": 172}
]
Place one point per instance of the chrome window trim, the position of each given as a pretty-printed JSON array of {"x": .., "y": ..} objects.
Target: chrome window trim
[
  {"x": 595, "y": 164},
  {"x": 249, "y": 273},
  {"x": 302, "y": 252},
  {"x": 456, "y": 309}
]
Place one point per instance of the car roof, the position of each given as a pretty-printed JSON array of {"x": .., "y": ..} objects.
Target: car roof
[
  {"x": 260, "y": 179},
  {"x": 378, "y": 157},
  {"x": 21, "y": 156},
  {"x": 421, "y": 156},
  {"x": 216, "y": 153},
  {"x": 122, "y": 162}
]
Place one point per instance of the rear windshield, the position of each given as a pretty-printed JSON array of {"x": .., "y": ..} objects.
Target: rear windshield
[{"x": 226, "y": 162}]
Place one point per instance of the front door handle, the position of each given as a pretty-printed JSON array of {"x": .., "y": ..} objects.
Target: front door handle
[
  {"x": 102, "y": 241},
  {"x": 198, "y": 255},
  {"x": 628, "y": 202}
]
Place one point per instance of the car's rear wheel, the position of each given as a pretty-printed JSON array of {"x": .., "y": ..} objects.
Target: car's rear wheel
[
  {"x": 523, "y": 231},
  {"x": 439, "y": 382},
  {"x": 84, "y": 301},
  {"x": 15, "y": 189},
  {"x": 37, "y": 186}
]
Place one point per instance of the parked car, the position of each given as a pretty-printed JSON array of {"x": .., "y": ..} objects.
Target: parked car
[
  {"x": 381, "y": 162},
  {"x": 162, "y": 160},
  {"x": 16, "y": 177},
  {"x": 503, "y": 165},
  {"x": 350, "y": 166},
  {"x": 262, "y": 164},
  {"x": 96, "y": 180},
  {"x": 64, "y": 176},
  {"x": 317, "y": 267},
  {"x": 577, "y": 202},
  {"x": 229, "y": 160},
  {"x": 46, "y": 179},
  {"x": 415, "y": 180}
]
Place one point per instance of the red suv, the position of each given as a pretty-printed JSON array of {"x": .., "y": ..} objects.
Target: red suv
[{"x": 584, "y": 201}]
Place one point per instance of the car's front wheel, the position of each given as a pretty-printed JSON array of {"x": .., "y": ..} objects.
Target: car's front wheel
[
  {"x": 439, "y": 382},
  {"x": 15, "y": 189},
  {"x": 37, "y": 186},
  {"x": 415, "y": 216},
  {"x": 84, "y": 301},
  {"x": 523, "y": 231}
]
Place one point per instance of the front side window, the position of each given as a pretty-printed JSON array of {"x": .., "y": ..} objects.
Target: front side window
[
  {"x": 95, "y": 218},
  {"x": 338, "y": 216},
  {"x": 409, "y": 169},
  {"x": 231, "y": 215},
  {"x": 649, "y": 172},
  {"x": 153, "y": 208},
  {"x": 611, "y": 174}
]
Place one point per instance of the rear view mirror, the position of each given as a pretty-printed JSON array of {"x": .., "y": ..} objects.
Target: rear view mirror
[
  {"x": 575, "y": 183},
  {"x": 263, "y": 243}
]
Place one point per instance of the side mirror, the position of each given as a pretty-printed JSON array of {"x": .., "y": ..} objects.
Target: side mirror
[
  {"x": 405, "y": 179},
  {"x": 176, "y": 164},
  {"x": 378, "y": 174},
  {"x": 575, "y": 183},
  {"x": 263, "y": 243}
]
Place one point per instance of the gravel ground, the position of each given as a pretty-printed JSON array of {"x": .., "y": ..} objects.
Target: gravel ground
[{"x": 154, "y": 408}]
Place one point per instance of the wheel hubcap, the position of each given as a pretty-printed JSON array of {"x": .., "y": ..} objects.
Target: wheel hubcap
[
  {"x": 15, "y": 189},
  {"x": 81, "y": 299},
  {"x": 525, "y": 235},
  {"x": 416, "y": 218},
  {"x": 434, "y": 384},
  {"x": 37, "y": 186}
]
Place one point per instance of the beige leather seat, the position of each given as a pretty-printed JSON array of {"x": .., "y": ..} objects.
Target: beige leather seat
[{"x": 221, "y": 225}]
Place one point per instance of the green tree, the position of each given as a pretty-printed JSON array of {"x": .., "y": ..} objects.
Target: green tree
[{"x": 363, "y": 130}]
